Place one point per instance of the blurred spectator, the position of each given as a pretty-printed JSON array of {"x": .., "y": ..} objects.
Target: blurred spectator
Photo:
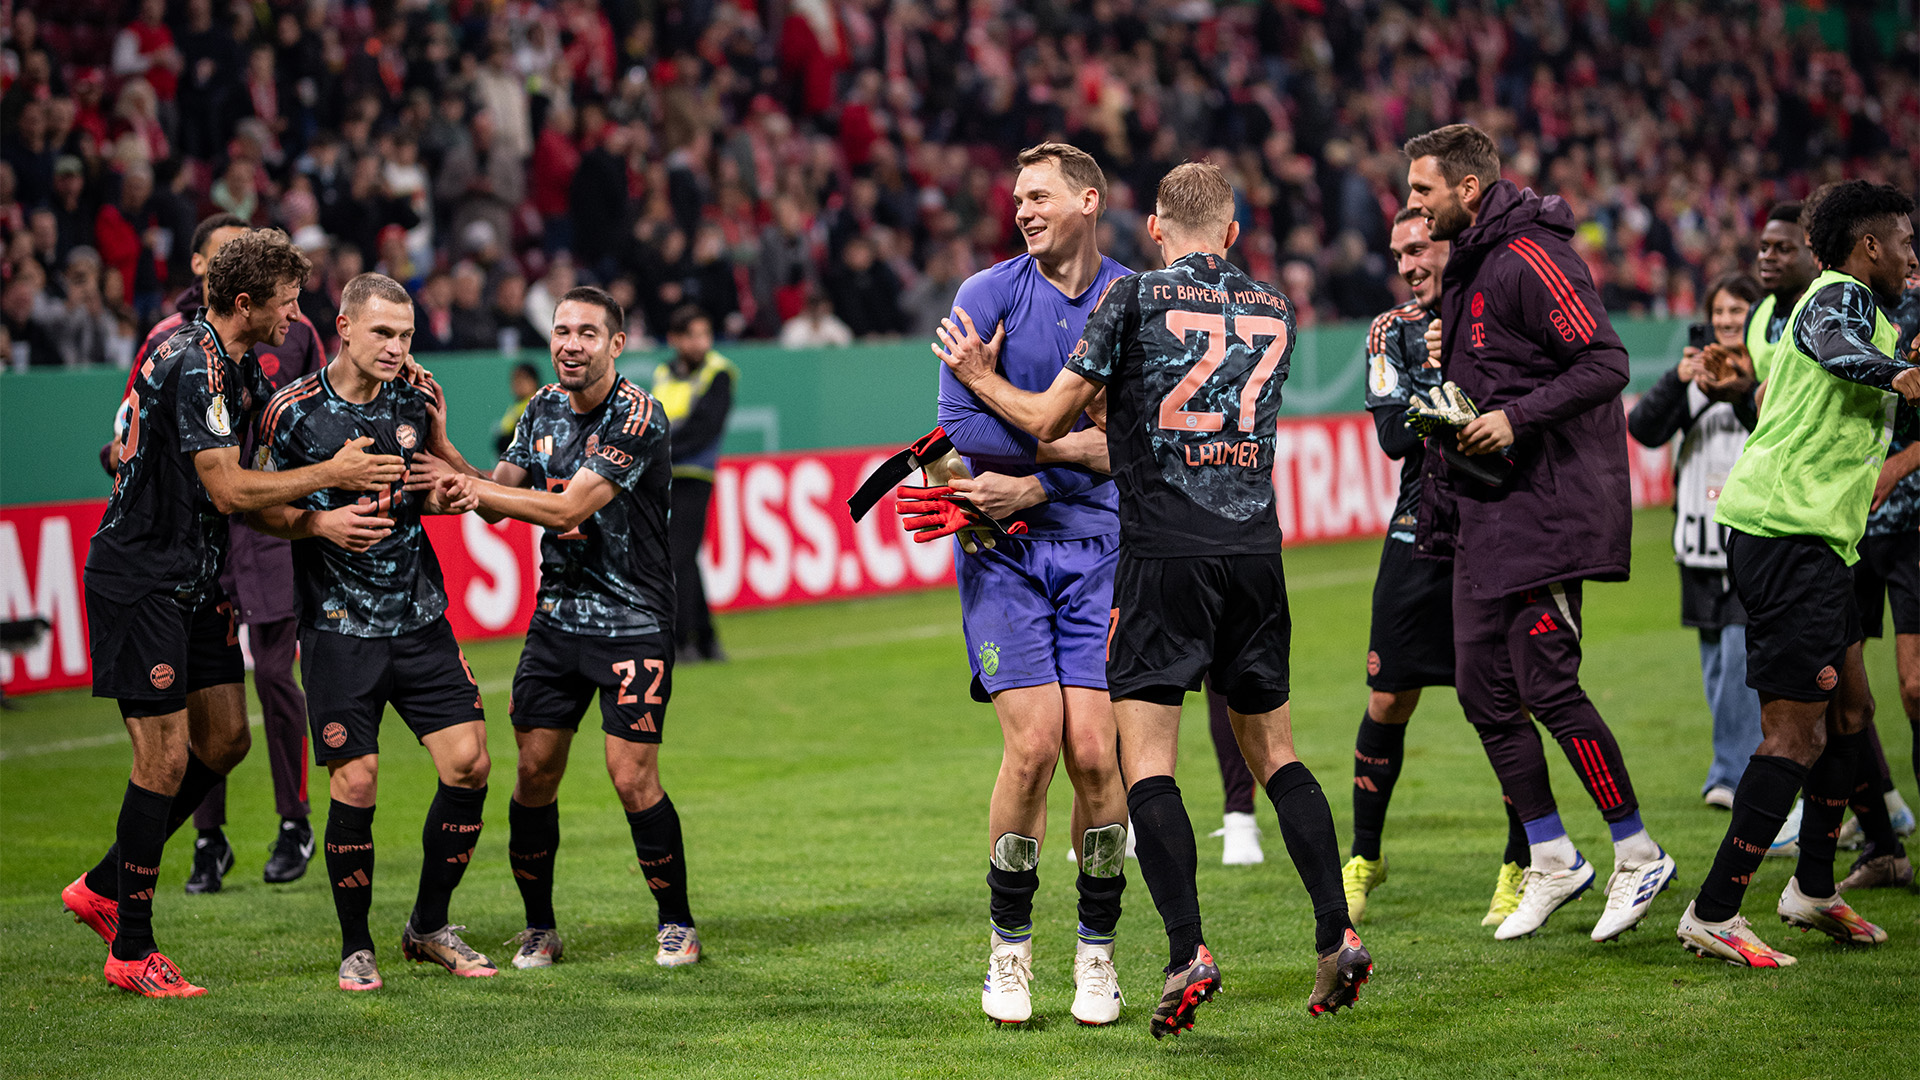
[
  {"x": 125, "y": 231},
  {"x": 31, "y": 155},
  {"x": 556, "y": 158},
  {"x": 512, "y": 330},
  {"x": 85, "y": 327},
  {"x": 32, "y": 341},
  {"x": 433, "y": 328},
  {"x": 930, "y": 299},
  {"x": 714, "y": 287},
  {"x": 144, "y": 48},
  {"x": 544, "y": 295},
  {"x": 73, "y": 212},
  {"x": 473, "y": 322},
  {"x": 482, "y": 180},
  {"x": 522, "y": 382},
  {"x": 816, "y": 327},
  {"x": 865, "y": 292},
  {"x": 785, "y": 271}
]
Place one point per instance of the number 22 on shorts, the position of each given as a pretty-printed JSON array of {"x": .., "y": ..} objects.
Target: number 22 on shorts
[{"x": 626, "y": 669}]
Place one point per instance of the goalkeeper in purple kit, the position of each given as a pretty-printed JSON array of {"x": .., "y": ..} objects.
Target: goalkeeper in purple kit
[{"x": 1035, "y": 610}]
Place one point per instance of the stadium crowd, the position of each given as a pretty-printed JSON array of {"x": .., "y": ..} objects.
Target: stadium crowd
[{"x": 819, "y": 171}]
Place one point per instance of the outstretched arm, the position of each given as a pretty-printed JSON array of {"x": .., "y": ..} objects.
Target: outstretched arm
[{"x": 562, "y": 511}]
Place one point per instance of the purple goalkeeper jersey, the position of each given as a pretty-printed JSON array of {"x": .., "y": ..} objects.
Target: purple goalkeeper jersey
[{"x": 1043, "y": 325}]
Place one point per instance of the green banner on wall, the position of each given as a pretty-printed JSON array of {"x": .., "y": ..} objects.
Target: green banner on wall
[{"x": 53, "y": 423}]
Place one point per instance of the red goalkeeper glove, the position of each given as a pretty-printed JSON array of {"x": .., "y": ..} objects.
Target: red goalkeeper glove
[{"x": 934, "y": 512}]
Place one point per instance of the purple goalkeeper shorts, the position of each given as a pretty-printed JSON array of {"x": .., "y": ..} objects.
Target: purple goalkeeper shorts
[{"x": 1036, "y": 612}]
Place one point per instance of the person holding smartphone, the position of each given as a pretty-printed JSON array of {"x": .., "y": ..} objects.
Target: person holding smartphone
[{"x": 1691, "y": 402}]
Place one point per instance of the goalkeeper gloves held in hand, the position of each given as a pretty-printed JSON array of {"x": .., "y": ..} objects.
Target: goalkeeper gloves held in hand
[
  {"x": 933, "y": 512},
  {"x": 1444, "y": 410}
]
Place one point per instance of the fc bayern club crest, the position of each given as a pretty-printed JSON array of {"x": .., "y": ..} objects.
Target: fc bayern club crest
[{"x": 406, "y": 436}]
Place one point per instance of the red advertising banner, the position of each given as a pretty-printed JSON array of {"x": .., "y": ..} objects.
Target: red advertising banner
[
  {"x": 777, "y": 533},
  {"x": 43, "y": 549}
]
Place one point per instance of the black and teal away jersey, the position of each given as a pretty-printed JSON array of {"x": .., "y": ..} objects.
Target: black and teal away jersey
[
  {"x": 611, "y": 577},
  {"x": 1192, "y": 357}
]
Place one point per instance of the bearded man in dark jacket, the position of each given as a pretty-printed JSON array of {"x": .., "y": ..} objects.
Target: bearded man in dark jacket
[{"x": 1523, "y": 335}]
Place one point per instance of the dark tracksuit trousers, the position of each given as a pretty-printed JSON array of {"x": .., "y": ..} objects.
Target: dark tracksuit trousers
[
  {"x": 283, "y": 712},
  {"x": 686, "y": 528},
  {"x": 1520, "y": 654}
]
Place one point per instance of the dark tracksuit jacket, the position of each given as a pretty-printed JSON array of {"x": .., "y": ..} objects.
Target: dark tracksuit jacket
[{"x": 1524, "y": 332}]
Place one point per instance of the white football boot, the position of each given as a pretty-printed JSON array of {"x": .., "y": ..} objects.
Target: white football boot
[
  {"x": 1630, "y": 893},
  {"x": 1733, "y": 941},
  {"x": 1831, "y": 916},
  {"x": 1096, "y": 988},
  {"x": 1007, "y": 996},
  {"x": 1541, "y": 894}
]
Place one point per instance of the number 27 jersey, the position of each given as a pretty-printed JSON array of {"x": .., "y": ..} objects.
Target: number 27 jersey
[{"x": 1192, "y": 357}]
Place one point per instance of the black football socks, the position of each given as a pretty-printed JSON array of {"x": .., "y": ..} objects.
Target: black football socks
[
  {"x": 1829, "y": 788},
  {"x": 140, "y": 837},
  {"x": 1760, "y": 807},
  {"x": 1377, "y": 755},
  {"x": 663, "y": 858},
  {"x": 1306, "y": 823},
  {"x": 447, "y": 840},
  {"x": 199, "y": 779},
  {"x": 349, "y": 853},
  {"x": 533, "y": 835},
  {"x": 1519, "y": 850},
  {"x": 1169, "y": 860}
]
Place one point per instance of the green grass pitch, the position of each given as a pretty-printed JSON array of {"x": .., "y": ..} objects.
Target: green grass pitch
[{"x": 833, "y": 781}]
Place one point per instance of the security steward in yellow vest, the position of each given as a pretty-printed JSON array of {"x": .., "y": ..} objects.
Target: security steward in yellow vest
[{"x": 696, "y": 388}]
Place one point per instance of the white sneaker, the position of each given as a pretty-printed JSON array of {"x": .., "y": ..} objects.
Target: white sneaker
[
  {"x": 1830, "y": 916},
  {"x": 679, "y": 945},
  {"x": 1720, "y": 796},
  {"x": 1851, "y": 838},
  {"x": 1786, "y": 845},
  {"x": 1096, "y": 988},
  {"x": 1242, "y": 835},
  {"x": 1733, "y": 941},
  {"x": 1543, "y": 893},
  {"x": 1007, "y": 995},
  {"x": 1630, "y": 893}
]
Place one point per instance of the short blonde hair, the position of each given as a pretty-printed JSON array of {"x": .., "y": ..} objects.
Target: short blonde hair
[
  {"x": 1076, "y": 166},
  {"x": 1194, "y": 198}
]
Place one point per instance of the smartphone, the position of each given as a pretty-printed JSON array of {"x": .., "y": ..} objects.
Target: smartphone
[{"x": 1699, "y": 335}]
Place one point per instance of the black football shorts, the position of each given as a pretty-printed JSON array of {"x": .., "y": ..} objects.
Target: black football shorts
[
  {"x": 1220, "y": 616},
  {"x": 560, "y": 673},
  {"x": 351, "y": 680},
  {"x": 1888, "y": 576},
  {"x": 150, "y": 654},
  {"x": 1801, "y": 613},
  {"x": 1410, "y": 644}
]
